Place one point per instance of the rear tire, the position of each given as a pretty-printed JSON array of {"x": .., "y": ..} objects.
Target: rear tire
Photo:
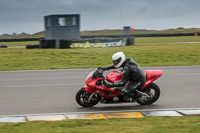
[
  {"x": 83, "y": 96},
  {"x": 153, "y": 91}
]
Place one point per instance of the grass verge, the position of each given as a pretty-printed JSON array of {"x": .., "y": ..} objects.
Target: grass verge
[
  {"x": 186, "y": 124},
  {"x": 20, "y": 43},
  {"x": 155, "y": 51}
]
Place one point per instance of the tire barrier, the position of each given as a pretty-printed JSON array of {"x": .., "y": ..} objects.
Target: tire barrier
[
  {"x": 32, "y": 46},
  {"x": 47, "y": 43},
  {"x": 130, "y": 41},
  {"x": 65, "y": 44}
]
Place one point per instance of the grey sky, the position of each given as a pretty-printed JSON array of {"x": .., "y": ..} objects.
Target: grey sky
[{"x": 27, "y": 15}]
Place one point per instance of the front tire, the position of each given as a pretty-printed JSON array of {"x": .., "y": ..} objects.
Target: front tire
[
  {"x": 82, "y": 98},
  {"x": 153, "y": 91}
]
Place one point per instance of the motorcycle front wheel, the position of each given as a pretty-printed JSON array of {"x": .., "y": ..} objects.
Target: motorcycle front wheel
[
  {"x": 83, "y": 98},
  {"x": 153, "y": 91}
]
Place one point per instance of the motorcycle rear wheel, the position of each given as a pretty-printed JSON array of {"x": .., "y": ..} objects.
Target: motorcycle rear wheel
[
  {"x": 153, "y": 91},
  {"x": 83, "y": 96}
]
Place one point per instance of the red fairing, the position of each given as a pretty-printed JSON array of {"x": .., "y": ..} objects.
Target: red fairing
[
  {"x": 85, "y": 88},
  {"x": 91, "y": 83},
  {"x": 114, "y": 76},
  {"x": 99, "y": 89},
  {"x": 151, "y": 75}
]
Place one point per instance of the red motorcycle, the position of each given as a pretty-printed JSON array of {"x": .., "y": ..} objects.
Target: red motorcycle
[{"x": 95, "y": 91}]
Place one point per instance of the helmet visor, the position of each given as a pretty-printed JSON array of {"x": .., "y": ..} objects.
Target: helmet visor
[{"x": 115, "y": 62}]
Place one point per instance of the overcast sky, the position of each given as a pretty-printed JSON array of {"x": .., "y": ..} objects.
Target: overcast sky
[{"x": 27, "y": 15}]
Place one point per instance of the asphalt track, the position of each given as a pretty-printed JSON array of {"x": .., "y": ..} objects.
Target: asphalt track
[{"x": 53, "y": 91}]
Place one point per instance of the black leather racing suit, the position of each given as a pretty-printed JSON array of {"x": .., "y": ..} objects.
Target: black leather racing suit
[{"x": 131, "y": 72}]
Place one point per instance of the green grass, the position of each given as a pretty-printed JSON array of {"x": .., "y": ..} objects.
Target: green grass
[
  {"x": 154, "y": 51},
  {"x": 20, "y": 43},
  {"x": 139, "y": 31},
  {"x": 166, "y": 40},
  {"x": 144, "y": 125}
]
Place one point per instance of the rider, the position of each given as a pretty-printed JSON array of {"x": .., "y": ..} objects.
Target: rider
[{"x": 131, "y": 72}]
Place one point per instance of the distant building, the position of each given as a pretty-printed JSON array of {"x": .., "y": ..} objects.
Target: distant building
[
  {"x": 64, "y": 26},
  {"x": 127, "y": 29}
]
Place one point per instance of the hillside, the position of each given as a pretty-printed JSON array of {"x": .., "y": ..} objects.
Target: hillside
[{"x": 114, "y": 32}]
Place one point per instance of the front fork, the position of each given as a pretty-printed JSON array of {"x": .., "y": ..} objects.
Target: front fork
[
  {"x": 85, "y": 88},
  {"x": 91, "y": 96}
]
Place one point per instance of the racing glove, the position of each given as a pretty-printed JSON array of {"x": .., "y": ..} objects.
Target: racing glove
[{"x": 107, "y": 68}]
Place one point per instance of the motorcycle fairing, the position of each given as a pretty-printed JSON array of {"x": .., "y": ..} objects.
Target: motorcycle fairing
[
  {"x": 101, "y": 90},
  {"x": 151, "y": 75}
]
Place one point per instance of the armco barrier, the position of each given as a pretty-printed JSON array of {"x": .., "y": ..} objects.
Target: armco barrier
[{"x": 20, "y": 39}]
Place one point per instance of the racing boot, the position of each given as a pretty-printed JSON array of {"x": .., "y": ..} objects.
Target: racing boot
[{"x": 131, "y": 90}]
